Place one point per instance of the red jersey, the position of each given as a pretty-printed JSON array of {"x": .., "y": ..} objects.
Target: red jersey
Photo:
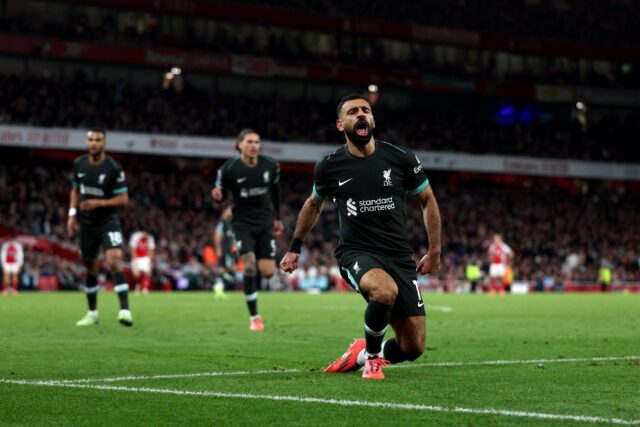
[
  {"x": 141, "y": 244},
  {"x": 12, "y": 253},
  {"x": 498, "y": 253}
]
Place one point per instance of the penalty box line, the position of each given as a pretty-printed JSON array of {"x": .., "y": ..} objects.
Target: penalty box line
[
  {"x": 400, "y": 366},
  {"x": 337, "y": 402}
]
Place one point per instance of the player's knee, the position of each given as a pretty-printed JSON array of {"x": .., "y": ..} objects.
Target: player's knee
[
  {"x": 250, "y": 269},
  {"x": 413, "y": 350},
  {"x": 385, "y": 294},
  {"x": 267, "y": 271},
  {"x": 114, "y": 262}
]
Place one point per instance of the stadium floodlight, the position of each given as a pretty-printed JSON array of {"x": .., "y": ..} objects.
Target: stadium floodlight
[
  {"x": 373, "y": 88},
  {"x": 581, "y": 106},
  {"x": 176, "y": 71}
]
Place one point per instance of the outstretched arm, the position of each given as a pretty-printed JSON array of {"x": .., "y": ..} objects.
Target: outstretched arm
[
  {"x": 307, "y": 219},
  {"x": 431, "y": 215}
]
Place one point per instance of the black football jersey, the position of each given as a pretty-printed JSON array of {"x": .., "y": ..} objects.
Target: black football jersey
[
  {"x": 370, "y": 196},
  {"x": 250, "y": 187},
  {"x": 103, "y": 181}
]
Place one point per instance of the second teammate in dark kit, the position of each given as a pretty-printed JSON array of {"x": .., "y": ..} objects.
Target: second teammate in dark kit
[
  {"x": 99, "y": 188},
  {"x": 253, "y": 180}
]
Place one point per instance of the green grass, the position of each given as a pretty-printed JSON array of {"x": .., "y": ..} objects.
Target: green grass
[{"x": 183, "y": 333}]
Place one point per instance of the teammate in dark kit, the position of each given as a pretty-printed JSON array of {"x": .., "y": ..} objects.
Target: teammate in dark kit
[
  {"x": 368, "y": 179},
  {"x": 99, "y": 188},
  {"x": 254, "y": 183},
  {"x": 224, "y": 240}
]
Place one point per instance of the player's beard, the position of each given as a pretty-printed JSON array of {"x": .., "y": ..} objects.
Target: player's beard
[
  {"x": 359, "y": 140},
  {"x": 96, "y": 154}
]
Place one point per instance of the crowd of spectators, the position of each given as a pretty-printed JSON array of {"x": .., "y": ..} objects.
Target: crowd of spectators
[
  {"x": 460, "y": 126},
  {"x": 586, "y": 22},
  {"x": 557, "y": 229},
  {"x": 600, "y": 22}
]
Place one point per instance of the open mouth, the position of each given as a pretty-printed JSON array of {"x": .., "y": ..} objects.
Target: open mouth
[{"x": 362, "y": 128}]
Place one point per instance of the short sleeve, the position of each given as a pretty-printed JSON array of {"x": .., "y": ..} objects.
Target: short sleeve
[
  {"x": 415, "y": 177},
  {"x": 275, "y": 172},
  {"x": 321, "y": 188},
  {"x": 222, "y": 177},
  {"x": 74, "y": 176},
  {"x": 120, "y": 181}
]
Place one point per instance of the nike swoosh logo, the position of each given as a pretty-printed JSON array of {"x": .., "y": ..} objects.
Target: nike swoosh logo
[
  {"x": 241, "y": 179},
  {"x": 420, "y": 304},
  {"x": 341, "y": 183}
]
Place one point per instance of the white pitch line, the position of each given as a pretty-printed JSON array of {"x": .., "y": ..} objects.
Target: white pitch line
[
  {"x": 515, "y": 362},
  {"x": 442, "y": 308},
  {"x": 287, "y": 371},
  {"x": 169, "y": 376},
  {"x": 336, "y": 402}
]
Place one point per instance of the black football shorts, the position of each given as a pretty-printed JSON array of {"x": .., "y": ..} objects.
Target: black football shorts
[
  {"x": 108, "y": 235},
  {"x": 255, "y": 239},
  {"x": 354, "y": 264}
]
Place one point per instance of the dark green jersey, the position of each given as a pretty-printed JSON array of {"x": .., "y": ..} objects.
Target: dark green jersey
[
  {"x": 102, "y": 181},
  {"x": 252, "y": 187},
  {"x": 369, "y": 193}
]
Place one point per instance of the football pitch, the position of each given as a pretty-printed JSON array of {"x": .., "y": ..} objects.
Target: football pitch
[{"x": 536, "y": 360}]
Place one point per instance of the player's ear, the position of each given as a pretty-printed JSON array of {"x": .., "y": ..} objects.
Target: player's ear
[{"x": 339, "y": 125}]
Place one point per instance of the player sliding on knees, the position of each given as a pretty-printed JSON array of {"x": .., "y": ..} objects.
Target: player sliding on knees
[{"x": 368, "y": 179}]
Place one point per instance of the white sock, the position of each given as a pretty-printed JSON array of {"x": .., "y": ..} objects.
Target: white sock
[{"x": 360, "y": 359}]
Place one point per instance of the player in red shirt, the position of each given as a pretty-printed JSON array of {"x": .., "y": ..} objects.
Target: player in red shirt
[
  {"x": 12, "y": 257},
  {"x": 500, "y": 256},
  {"x": 142, "y": 246}
]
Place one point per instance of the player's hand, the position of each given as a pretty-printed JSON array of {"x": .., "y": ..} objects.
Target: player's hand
[
  {"x": 290, "y": 262},
  {"x": 278, "y": 227},
  {"x": 216, "y": 193},
  {"x": 430, "y": 263},
  {"x": 90, "y": 204},
  {"x": 72, "y": 225}
]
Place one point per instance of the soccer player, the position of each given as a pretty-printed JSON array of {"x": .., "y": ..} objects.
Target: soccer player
[
  {"x": 368, "y": 179},
  {"x": 99, "y": 188},
  {"x": 254, "y": 182},
  {"x": 12, "y": 257},
  {"x": 224, "y": 242},
  {"x": 500, "y": 256},
  {"x": 142, "y": 246}
]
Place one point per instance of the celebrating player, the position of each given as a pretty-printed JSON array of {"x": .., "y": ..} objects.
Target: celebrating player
[
  {"x": 252, "y": 179},
  {"x": 99, "y": 188},
  {"x": 12, "y": 257},
  {"x": 368, "y": 179},
  {"x": 142, "y": 246}
]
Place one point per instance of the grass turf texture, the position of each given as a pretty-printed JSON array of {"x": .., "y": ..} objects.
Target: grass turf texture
[{"x": 184, "y": 333}]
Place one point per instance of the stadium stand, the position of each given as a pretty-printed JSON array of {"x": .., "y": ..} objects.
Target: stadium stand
[
  {"x": 552, "y": 79},
  {"x": 476, "y": 127},
  {"x": 175, "y": 207}
]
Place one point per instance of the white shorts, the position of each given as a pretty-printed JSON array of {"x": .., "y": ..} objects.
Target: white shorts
[
  {"x": 11, "y": 268},
  {"x": 142, "y": 264},
  {"x": 496, "y": 271}
]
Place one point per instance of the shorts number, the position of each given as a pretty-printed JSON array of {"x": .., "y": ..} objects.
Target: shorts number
[
  {"x": 420, "y": 303},
  {"x": 115, "y": 237},
  {"x": 273, "y": 247}
]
